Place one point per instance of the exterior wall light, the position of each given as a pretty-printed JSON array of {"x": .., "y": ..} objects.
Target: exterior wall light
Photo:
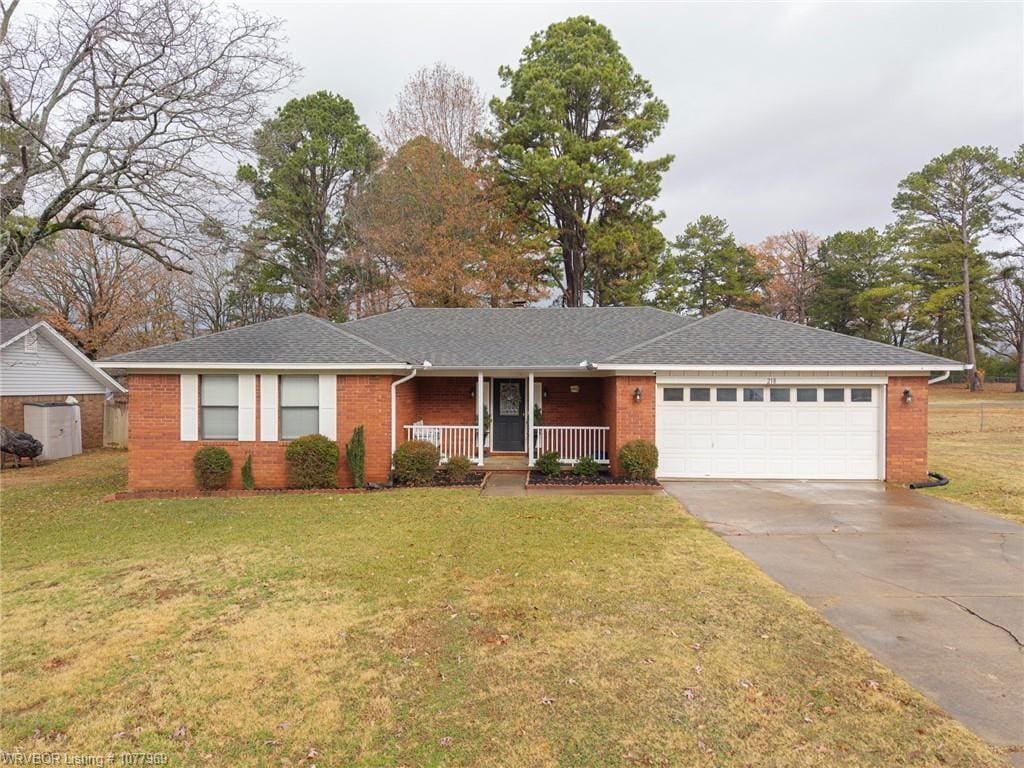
[
  {"x": 907, "y": 397},
  {"x": 472, "y": 392},
  {"x": 637, "y": 395}
]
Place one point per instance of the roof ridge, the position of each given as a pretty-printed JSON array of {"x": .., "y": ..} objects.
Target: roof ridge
[
  {"x": 336, "y": 327},
  {"x": 661, "y": 336}
]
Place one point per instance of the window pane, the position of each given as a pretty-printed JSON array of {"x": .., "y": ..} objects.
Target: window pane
[
  {"x": 700, "y": 394},
  {"x": 780, "y": 395},
  {"x": 673, "y": 394},
  {"x": 833, "y": 395},
  {"x": 300, "y": 390},
  {"x": 860, "y": 395},
  {"x": 296, "y": 422},
  {"x": 753, "y": 395},
  {"x": 219, "y": 390},
  {"x": 808, "y": 394},
  {"x": 220, "y": 423},
  {"x": 725, "y": 394}
]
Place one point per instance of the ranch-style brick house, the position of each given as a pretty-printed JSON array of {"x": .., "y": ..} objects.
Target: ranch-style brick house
[{"x": 732, "y": 395}]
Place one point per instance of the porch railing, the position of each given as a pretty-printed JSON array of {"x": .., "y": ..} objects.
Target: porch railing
[
  {"x": 572, "y": 443},
  {"x": 450, "y": 440}
]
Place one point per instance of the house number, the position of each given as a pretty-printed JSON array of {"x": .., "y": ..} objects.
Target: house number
[{"x": 770, "y": 380}]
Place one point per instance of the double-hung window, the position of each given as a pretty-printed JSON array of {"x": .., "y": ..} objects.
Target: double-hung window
[
  {"x": 218, "y": 407},
  {"x": 300, "y": 406}
]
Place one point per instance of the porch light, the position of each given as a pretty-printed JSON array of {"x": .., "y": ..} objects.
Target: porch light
[
  {"x": 472, "y": 393},
  {"x": 907, "y": 397},
  {"x": 544, "y": 392},
  {"x": 637, "y": 394}
]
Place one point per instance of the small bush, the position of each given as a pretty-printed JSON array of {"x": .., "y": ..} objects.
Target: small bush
[
  {"x": 248, "y": 481},
  {"x": 586, "y": 467},
  {"x": 416, "y": 462},
  {"x": 547, "y": 464},
  {"x": 355, "y": 457},
  {"x": 312, "y": 462},
  {"x": 212, "y": 467},
  {"x": 458, "y": 468},
  {"x": 639, "y": 459}
]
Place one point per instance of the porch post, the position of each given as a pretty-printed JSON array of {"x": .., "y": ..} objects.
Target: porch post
[
  {"x": 529, "y": 420},
  {"x": 480, "y": 419}
]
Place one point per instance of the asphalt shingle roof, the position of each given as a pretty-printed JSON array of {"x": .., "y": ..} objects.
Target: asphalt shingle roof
[
  {"x": 732, "y": 337},
  {"x": 12, "y": 326}
]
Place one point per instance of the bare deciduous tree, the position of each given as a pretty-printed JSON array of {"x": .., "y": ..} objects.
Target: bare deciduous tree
[
  {"x": 788, "y": 260},
  {"x": 443, "y": 105},
  {"x": 1007, "y": 328},
  {"x": 114, "y": 107}
]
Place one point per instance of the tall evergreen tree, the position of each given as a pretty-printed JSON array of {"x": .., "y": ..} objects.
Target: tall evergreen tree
[{"x": 567, "y": 144}]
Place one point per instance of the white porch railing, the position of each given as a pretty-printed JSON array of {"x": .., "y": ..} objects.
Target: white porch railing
[
  {"x": 573, "y": 443},
  {"x": 450, "y": 440}
]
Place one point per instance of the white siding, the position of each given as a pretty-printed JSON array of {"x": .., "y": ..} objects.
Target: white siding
[
  {"x": 47, "y": 372},
  {"x": 246, "y": 407},
  {"x": 329, "y": 406},
  {"x": 189, "y": 406},
  {"x": 268, "y": 407}
]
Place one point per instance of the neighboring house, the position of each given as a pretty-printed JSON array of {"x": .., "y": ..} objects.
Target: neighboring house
[
  {"x": 731, "y": 395},
  {"x": 38, "y": 365}
]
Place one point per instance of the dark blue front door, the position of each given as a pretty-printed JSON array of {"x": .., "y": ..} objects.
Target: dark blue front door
[{"x": 508, "y": 421}]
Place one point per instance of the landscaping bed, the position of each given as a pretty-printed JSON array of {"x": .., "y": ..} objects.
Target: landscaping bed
[
  {"x": 569, "y": 479},
  {"x": 441, "y": 480}
]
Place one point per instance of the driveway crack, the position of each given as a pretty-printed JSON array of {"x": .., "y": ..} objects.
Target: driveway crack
[{"x": 1016, "y": 639}]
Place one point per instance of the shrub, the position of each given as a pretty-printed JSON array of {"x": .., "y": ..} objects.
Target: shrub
[
  {"x": 586, "y": 467},
  {"x": 355, "y": 457},
  {"x": 458, "y": 468},
  {"x": 416, "y": 462},
  {"x": 639, "y": 459},
  {"x": 248, "y": 482},
  {"x": 212, "y": 467},
  {"x": 547, "y": 464},
  {"x": 312, "y": 462}
]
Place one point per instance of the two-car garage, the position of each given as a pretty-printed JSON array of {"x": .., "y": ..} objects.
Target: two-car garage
[{"x": 805, "y": 430}]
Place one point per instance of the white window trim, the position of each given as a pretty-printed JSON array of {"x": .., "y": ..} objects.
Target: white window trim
[
  {"x": 329, "y": 405},
  {"x": 246, "y": 408},
  {"x": 189, "y": 406},
  {"x": 269, "y": 432}
]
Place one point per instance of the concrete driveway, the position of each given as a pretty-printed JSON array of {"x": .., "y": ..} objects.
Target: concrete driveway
[{"x": 932, "y": 589}]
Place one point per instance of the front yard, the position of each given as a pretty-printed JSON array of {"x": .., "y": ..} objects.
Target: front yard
[{"x": 422, "y": 628}]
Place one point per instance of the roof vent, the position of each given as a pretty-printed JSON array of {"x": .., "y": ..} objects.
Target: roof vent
[{"x": 519, "y": 303}]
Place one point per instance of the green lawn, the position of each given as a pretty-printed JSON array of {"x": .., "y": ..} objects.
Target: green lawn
[{"x": 423, "y": 628}]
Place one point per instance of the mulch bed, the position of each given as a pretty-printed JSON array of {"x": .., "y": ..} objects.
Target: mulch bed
[
  {"x": 441, "y": 480},
  {"x": 569, "y": 479}
]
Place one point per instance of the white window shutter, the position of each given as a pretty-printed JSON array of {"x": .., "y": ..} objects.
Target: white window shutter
[
  {"x": 189, "y": 410},
  {"x": 268, "y": 408},
  {"x": 329, "y": 406},
  {"x": 246, "y": 407}
]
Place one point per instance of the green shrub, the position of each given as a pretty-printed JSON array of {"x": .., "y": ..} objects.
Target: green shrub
[
  {"x": 639, "y": 459},
  {"x": 312, "y": 462},
  {"x": 355, "y": 457},
  {"x": 212, "y": 467},
  {"x": 248, "y": 482},
  {"x": 458, "y": 468},
  {"x": 416, "y": 462},
  {"x": 586, "y": 467},
  {"x": 547, "y": 464}
]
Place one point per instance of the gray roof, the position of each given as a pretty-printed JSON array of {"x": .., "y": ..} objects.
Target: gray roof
[
  {"x": 732, "y": 337},
  {"x": 12, "y": 326},
  {"x": 295, "y": 339},
  {"x": 549, "y": 337}
]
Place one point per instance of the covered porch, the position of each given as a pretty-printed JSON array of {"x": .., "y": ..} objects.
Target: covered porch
[{"x": 504, "y": 420}]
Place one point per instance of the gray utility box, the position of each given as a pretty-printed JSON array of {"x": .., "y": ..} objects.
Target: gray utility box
[{"x": 58, "y": 426}]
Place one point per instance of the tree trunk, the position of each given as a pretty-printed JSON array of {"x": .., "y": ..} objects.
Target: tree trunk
[
  {"x": 972, "y": 374},
  {"x": 572, "y": 260},
  {"x": 1020, "y": 369}
]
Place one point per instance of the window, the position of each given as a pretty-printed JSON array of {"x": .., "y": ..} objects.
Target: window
[
  {"x": 779, "y": 395},
  {"x": 833, "y": 395},
  {"x": 31, "y": 343},
  {"x": 808, "y": 394},
  {"x": 218, "y": 407},
  {"x": 673, "y": 394},
  {"x": 700, "y": 394},
  {"x": 753, "y": 395},
  {"x": 725, "y": 394},
  {"x": 860, "y": 395},
  {"x": 300, "y": 406}
]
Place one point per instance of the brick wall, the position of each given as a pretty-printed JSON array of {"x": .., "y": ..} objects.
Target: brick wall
[
  {"x": 12, "y": 414},
  {"x": 906, "y": 430},
  {"x": 565, "y": 408},
  {"x": 159, "y": 460},
  {"x": 628, "y": 419}
]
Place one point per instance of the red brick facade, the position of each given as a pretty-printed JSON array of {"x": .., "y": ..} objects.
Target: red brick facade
[
  {"x": 564, "y": 408},
  {"x": 906, "y": 430},
  {"x": 12, "y": 414},
  {"x": 628, "y": 419}
]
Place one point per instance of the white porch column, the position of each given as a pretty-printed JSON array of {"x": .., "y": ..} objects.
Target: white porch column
[
  {"x": 529, "y": 421},
  {"x": 480, "y": 419}
]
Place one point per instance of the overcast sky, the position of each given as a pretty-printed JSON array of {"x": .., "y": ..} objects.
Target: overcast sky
[{"x": 781, "y": 116}]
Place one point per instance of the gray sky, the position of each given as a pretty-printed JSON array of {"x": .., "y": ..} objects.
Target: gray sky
[{"x": 782, "y": 116}]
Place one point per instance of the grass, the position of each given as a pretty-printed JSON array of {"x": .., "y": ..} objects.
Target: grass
[
  {"x": 975, "y": 439},
  {"x": 423, "y": 628}
]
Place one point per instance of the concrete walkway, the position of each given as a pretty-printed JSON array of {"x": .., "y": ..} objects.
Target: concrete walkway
[
  {"x": 505, "y": 484},
  {"x": 933, "y": 589}
]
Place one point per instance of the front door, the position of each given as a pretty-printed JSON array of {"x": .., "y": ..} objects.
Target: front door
[{"x": 509, "y": 411}]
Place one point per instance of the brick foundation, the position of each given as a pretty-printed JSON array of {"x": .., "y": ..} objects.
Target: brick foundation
[
  {"x": 12, "y": 414},
  {"x": 906, "y": 430}
]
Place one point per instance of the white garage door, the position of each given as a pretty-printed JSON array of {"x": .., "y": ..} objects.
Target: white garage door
[{"x": 812, "y": 432}]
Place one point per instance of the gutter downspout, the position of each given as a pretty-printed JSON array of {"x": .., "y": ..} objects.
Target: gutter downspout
[
  {"x": 394, "y": 408},
  {"x": 937, "y": 379}
]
